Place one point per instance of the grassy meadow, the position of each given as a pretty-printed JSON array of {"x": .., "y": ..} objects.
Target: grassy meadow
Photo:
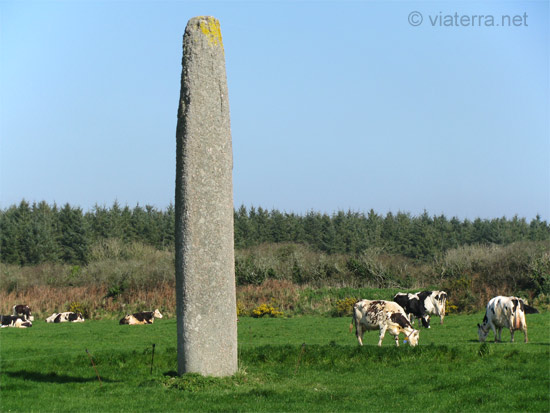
[{"x": 306, "y": 363}]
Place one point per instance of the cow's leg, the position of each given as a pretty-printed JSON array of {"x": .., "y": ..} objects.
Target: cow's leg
[
  {"x": 494, "y": 332},
  {"x": 382, "y": 334},
  {"x": 397, "y": 340},
  {"x": 525, "y": 340},
  {"x": 512, "y": 335},
  {"x": 359, "y": 333}
]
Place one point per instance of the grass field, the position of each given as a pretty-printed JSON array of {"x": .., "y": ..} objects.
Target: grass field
[{"x": 295, "y": 364}]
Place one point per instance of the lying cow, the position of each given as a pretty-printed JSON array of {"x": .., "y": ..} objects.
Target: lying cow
[
  {"x": 414, "y": 306},
  {"x": 434, "y": 302},
  {"x": 383, "y": 315},
  {"x": 23, "y": 311},
  {"x": 14, "y": 321},
  {"x": 66, "y": 317},
  {"x": 504, "y": 312},
  {"x": 145, "y": 317}
]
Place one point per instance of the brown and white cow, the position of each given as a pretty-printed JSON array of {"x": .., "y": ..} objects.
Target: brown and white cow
[
  {"x": 504, "y": 312},
  {"x": 145, "y": 317},
  {"x": 385, "y": 316},
  {"x": 66, "y": 317},
  {"x": 14, "y": 321},
  {"x": 23, "y": 311}
]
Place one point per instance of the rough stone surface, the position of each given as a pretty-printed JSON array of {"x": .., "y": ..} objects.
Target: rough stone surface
[{"x": 205, "y": 265}]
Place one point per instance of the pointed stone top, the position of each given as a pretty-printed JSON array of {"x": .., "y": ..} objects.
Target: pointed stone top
[{"x": 207, "y": 25}]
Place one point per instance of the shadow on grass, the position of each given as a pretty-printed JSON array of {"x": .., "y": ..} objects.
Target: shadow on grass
[{"x": 53, "y": 377}]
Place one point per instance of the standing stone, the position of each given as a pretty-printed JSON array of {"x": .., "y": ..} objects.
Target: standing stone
[{"x": 205, "y": 265}]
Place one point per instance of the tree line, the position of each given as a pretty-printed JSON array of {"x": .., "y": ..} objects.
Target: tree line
[
  {"x": 417, "y": 237},
  {"x": 34, "y": 233}
]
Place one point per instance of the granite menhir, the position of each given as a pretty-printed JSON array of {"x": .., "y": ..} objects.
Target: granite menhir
[{"x": 205, "y": 264}]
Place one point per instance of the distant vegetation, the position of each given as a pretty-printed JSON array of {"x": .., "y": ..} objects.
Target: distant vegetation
[
  {"x": 120, "y": 258},
  {"x": 38, "y": 233}
]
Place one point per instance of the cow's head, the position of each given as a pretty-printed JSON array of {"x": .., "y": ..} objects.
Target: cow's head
[
  {"x": 412, "y": 338},
  {"x": 482, "y": 332},
  {"x": 51, "y": 318},
  {"x": 157, "y": 313},
  {"x": 425, "y": 321},
  {"x": 125, "y": 320}
]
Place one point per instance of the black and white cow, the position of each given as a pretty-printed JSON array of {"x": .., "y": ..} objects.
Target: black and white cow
[
  {"x": 14, "y": 321},
  {"x": 434, "y": 302},
  {"x": 504, "y": 312},
  {"x": 414, "y": 306},
  {"x": 145, "y": 317},
  {"x": 385, "y": 316},
  {"x": 67, "y": 316},
  {"x": 23, "y": 311}
]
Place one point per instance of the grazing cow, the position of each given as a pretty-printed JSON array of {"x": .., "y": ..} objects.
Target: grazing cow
[
  {"x": 414, "y": 306},
  {"x": 67, "y": 316},
  {"x": 145, "y": 317},
  {"x": 23, "y": 311},
  {"x": 503, "y": 312},
  {"x": 383, "y": 315},
  {"x": 14, "y": 321},
  {"x": 434, "y": 302}
]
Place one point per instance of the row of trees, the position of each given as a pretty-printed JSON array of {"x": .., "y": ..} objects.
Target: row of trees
[
  {"x": 418, "y": 237},
  {"x": 32, "y": 234}
]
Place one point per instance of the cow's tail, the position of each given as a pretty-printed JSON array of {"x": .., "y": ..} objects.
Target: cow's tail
[
  {"x": 529, "y": 310},
  {"x": 353, "y": 320}
]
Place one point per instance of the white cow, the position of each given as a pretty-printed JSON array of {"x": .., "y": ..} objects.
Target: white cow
[
  {"x": 67, "y": 316},
  {"x": 504, "y": 312},
  {"x": 385, "y": 316}
]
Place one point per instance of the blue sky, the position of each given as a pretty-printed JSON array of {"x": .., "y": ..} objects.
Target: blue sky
[{"x": 334, "y": 105}]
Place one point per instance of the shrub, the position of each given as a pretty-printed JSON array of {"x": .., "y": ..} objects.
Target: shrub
[
  {"x": 539, "y": 274},
  {"x": 344, "y": 307},
  {"x": 450, "y": 308},
  {"x": 77, "y": 307},
  {"x": 241, "y": 309},
  {"x": 127, "y": 277},
  {"x": 265, "y": 309},
  {"x": 542, "y": 302},
  {"x": 462, "y": 294},
  {"x": 284, "y": 293}
]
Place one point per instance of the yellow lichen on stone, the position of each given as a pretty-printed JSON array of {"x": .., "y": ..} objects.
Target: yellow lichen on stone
[{"x": 211, "y": 29}]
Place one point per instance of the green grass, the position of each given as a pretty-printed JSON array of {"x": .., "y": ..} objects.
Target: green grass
[{"x": 297, "y": 364}]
